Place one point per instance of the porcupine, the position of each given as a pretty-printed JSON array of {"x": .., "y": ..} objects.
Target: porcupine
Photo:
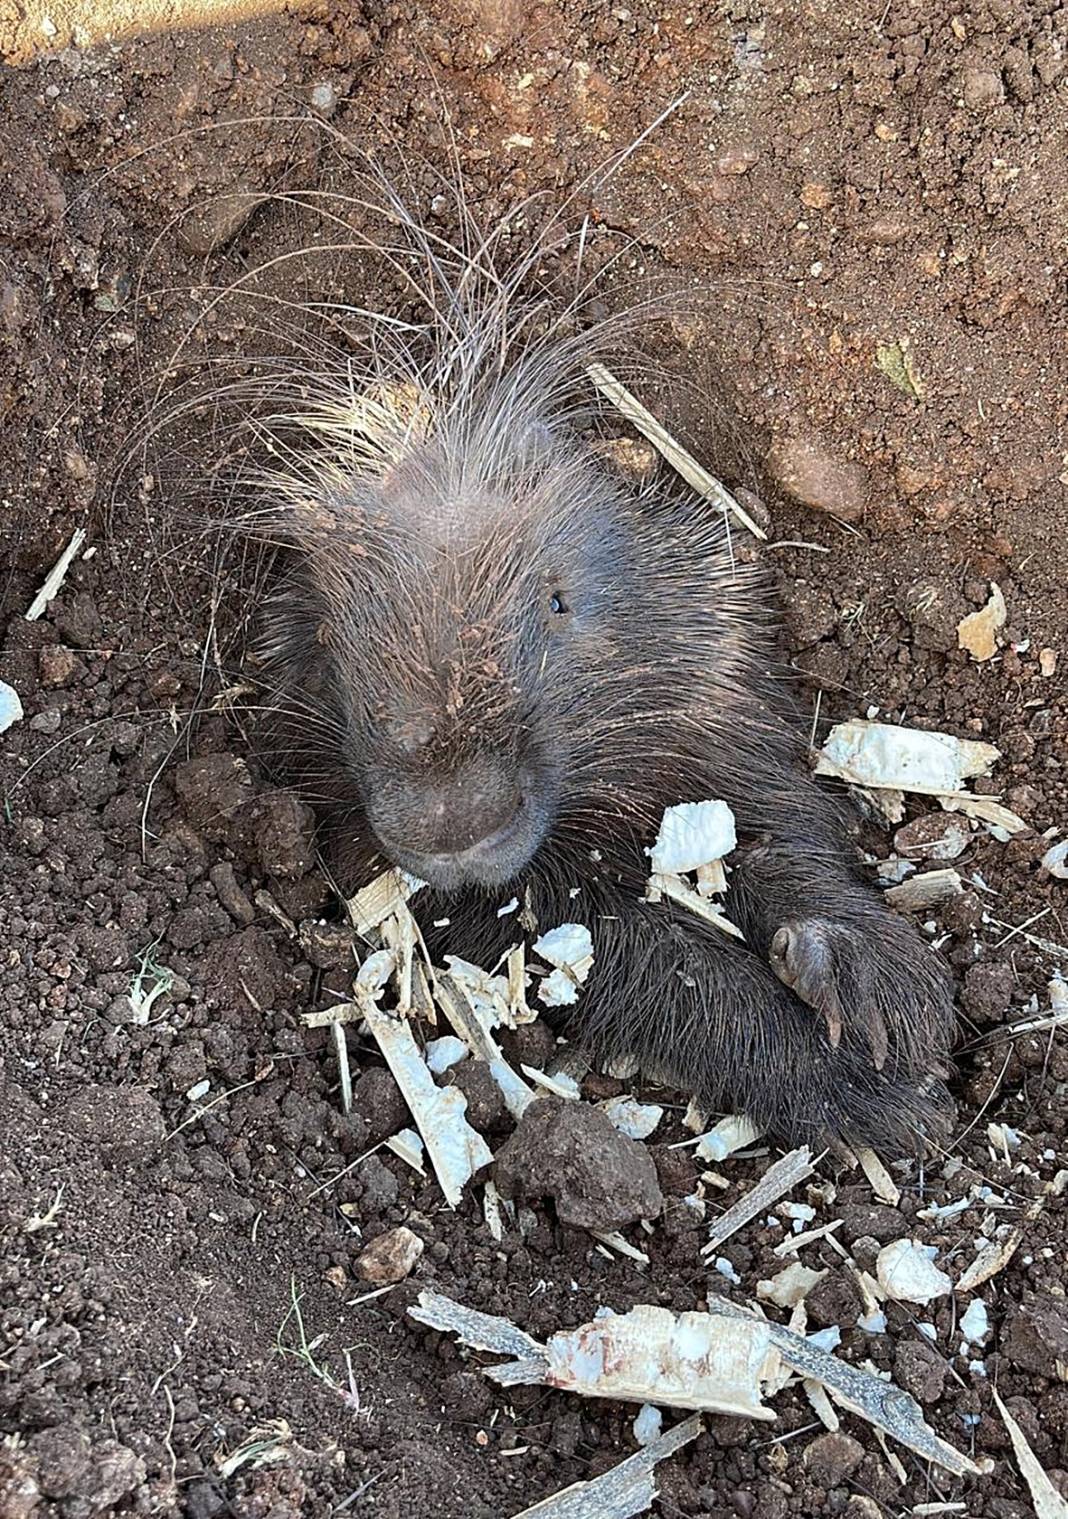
[{"x": 498, "y": 662}]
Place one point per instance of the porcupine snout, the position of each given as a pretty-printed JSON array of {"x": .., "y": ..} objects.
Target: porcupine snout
[{"x": 470, "y": 826}]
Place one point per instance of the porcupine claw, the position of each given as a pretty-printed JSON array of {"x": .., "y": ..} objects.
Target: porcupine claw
[{"x": 802, "y": 956}]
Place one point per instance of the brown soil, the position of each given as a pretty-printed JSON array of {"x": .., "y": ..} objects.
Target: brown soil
[{"x": 840, "y": 179}]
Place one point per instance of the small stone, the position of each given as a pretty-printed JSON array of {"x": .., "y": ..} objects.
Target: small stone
[
  {"x": 324, "y": 98},
  {"x": 934, "y": 836},
  {"x": 571, "y": 1153},
  {"x": 920, "y": 1370},
  {"x": 390, "y": 1257},
  {"x": 833, "y": 1458},
  {"x": 207, "y": 228},
  {"x": 56, "y": 665},
  {"x": 48, "y": 721},
  {"x": 804, "y": 469},
  {"x": 982, "y": 88},
  {"x": 230, "y": 895}
]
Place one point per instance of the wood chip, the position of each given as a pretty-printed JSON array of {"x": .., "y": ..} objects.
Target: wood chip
[
  {"x": 676, "y": 890},
  {"x": 629, "y": 1488},
  {"x": 777, "y": 1180},
  {"x": 55, "y": 577},
  {"x": 882, "y": 1183},
  {"x": 678, "y": 457},
  {"x": 456, "y": 1150},
  {"x": 928, "y": 889},
  {"x": 1047, "y": 1500}
]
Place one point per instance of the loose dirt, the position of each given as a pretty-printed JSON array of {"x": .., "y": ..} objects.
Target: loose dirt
[{"x": 864, "y": 206}]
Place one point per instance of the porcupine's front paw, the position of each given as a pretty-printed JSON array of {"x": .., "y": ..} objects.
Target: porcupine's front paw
[{"x": 872, "y": 978}]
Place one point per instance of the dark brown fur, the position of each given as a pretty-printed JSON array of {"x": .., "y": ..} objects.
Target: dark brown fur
[{"x": 481, "y": 634}]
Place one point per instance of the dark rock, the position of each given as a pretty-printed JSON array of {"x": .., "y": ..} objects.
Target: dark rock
[
  {"x": 1035, "y": 1336},
  {"x": 570, "y": 1152},
  {"x": 920, "y": 1370}
]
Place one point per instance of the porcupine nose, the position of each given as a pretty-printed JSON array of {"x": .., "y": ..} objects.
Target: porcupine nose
[{"x": 423, "y": 820}]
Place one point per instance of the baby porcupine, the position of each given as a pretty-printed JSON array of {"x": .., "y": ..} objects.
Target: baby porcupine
[{"x": 496, "y": 664}]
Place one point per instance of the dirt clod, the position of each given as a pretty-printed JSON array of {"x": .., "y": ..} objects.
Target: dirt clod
[
  {"x": 569, "y": 1152},
  {"x": 833, "y": 1458}
]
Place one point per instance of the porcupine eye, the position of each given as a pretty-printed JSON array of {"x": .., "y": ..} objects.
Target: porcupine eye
[{"x": 557, "y": 605}]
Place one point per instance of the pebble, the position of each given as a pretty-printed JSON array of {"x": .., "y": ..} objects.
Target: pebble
[
  {"x": 389, "y": 1258},
  {"x": 570, "y": 1152},
  {"x": 833, "y": 1458},
  {"x": 805, "y": 470},
  {"x": 230, "y": 894},
  {"x": 737, "y": 158},
  {"x": 324, "y": 98}
]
